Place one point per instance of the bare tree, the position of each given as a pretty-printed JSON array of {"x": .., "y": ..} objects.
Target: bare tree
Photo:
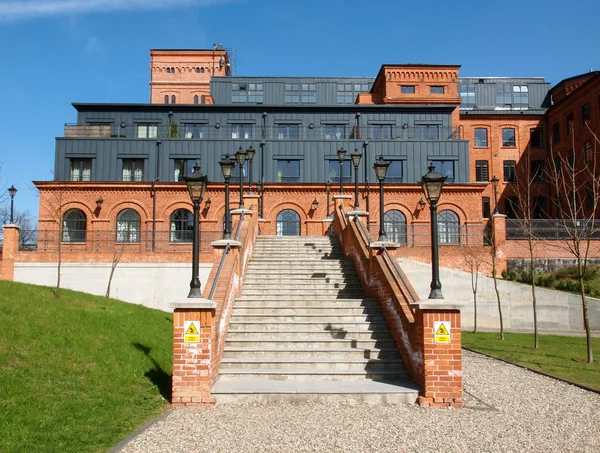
[
  {"x": 494, "y": 256},
  {"x": 53, "y": 208},
  {"x": 27, "y": 234},
  {"x": 531, "y": 208},
  {"x": 577, "y": 185},
  {"x": 115, "y": 262},
  {"x": 474, "y": 261}
]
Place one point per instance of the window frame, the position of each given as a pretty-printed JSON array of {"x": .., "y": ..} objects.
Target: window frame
[
  {"x": 128, "y": 231},
  {"x": 510, "y": 169},
  {"x": 81, "y": 171},
  {"x": 181, "y": 229},
  {"x": 136, "y": 168},
  {"x": 408, "y": 89},
  {"x": 509, "y": 142},
  {"x": 482, "y": 171},
  {"x": 287, "y": 176},
  {"x": 74, "y": 226},
  {"x": 480, "y": 142},
  {"x": 450, "y": 176}
]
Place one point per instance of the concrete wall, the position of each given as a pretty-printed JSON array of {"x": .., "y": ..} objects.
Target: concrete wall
[
  {"x": 149, "y": 284},
  {"x": 556, "y": 310}
]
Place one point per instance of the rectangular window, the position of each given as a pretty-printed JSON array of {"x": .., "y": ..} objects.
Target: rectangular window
[
  {"x": 183, "y": 167},
  {"x": 395, "y": 172},
  {"x": 510, "y": 171},
  {"x": 345, "y": 94},
  {"x": 251, "y": 93},
  {"x": 588, "y": 153},
  {"x": 481, "y": 137},
  {"x": 481, "y": 171},
  {"x": 555, "y": 133},
  {"x": 300, "y": 93},
  {"x": 427, "y": 132},
  {"x": 334, "y": 131},
  {"x": 536, "y": 137},
  {"x": 133, "y": 169},
  {"x": 81, "y": 169},
  {"x": 288, "y": 170},
  {"x": 558, "y": 166},
  {"x": 193, "y": 131},
  {"x": 511, "y": 207},
  {"x": 381, "y": 131},
  {"x": 590, "y": 199},
  {"x": 467, "y": 93},
  {"x": 485, "y": 207},
  {"x": 436, "y": 90},
  {"x": 539, "y": 208},
  {"x": 537, "y": 170},
  {"x": 334, "y": 170},
  {"x": 407, "y": 89},
  {"x": 508, "y": 137},
  {"x": 512, "y": 96},
  {"x": 445, "y": 168},
  {"x": 241, "y": 131},
  {"x": 570, "y": 124},
  {"x": 585, "y": 112},
  {"x": 288, "y": 131},
  {"x": 235, "y": 175},
  {"x": 147, "y": 131}
]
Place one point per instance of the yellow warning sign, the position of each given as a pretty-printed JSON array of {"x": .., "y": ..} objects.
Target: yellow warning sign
[
  {"x": 441, "y": 330},
  {"x": 191, "y": 332}
]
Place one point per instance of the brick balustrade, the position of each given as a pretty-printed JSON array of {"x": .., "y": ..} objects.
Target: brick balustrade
[
  {"x": 434, "y": 365},
  {"x": 196, "y": 364}
]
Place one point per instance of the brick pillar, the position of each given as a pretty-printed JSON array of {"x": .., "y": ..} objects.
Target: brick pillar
[
  {"x": 442, "y": 359},
  {"x": 10, "y": 249},
  {"x": 193, "y": 325}
]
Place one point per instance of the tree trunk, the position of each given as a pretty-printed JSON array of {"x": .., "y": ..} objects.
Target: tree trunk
[
  {"x": 475, "y": 312},
  {"x": 497, "y": 294},
  {"x": 586, "y": 322},
  {"x": 536, "y": 344}
]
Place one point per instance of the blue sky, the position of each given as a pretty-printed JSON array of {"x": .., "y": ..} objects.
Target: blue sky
[{"x": 54, "y": 52}]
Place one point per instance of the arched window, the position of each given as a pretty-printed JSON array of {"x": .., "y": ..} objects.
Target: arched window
[
  {"x": 394, "y": 224},
  {"x": 448, "y": 227},
  {"x": 182, "y": 226},
  {"x": 288, "y": 223},
  {"x": 202, "y": 99},
  {"x": 195, "y": 99},
  {"x": 202, "y": 70},
  {"x": 173, "y": 99},
  {"x": 166, "y": 98},
  {"x": 74, "y": 226},
  {"x": 197, "y": 69},
  {"x": 168, "y": 70},
  {"x": 128, "y": 226}
]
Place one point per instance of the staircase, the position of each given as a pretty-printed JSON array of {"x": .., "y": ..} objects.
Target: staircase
[{"x": 302, "y": 330}]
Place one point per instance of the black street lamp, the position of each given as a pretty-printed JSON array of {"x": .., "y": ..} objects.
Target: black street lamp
[
  {"x": 261, "y": 190},
  {"x": 227, "y": 166},
  {"x": 356, "y": 161},
  {"x": 250, "y": 152},
  {"x": 432, "y": 184},
  {"x": 12, "y": 191},
  {"x": 328, "y": 190},
  {"x": 380, "y": 166},
  {"x": 495, "y": 182},
  {"x": 196, "y": 184},
  {"x": 341, "y": 154},
  {"x": 240, "y": 156}
]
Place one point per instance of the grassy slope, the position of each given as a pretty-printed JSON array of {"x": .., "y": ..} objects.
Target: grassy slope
[
  {"x": 564, "y": 357},
  {"x": 78, "y": 372}
]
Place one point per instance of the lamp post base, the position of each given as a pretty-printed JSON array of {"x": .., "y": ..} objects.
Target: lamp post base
[
  {"x": 435, "y": 293},
  {"x": 195, "y": 293}
]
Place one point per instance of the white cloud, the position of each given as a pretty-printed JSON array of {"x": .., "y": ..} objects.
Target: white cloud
[{"x": 12, "y": 10}]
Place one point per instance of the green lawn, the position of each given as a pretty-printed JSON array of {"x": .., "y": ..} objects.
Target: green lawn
[
  {"x": 78, "y": 372},
  {"x": 564, "y": 357}
]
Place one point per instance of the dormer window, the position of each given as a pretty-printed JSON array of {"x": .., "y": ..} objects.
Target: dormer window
[{"x": 407, "y": 89}]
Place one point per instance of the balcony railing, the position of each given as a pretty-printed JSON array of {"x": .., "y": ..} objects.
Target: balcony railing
[
  {"x": 113, "y": 241},
  {"x": 219, "y": 131},
  {"x": 418, "y": 235},
  {"x": 552, "y": 229}
]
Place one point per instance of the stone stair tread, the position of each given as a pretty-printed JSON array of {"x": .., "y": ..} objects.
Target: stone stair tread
[
  {"x": 306, "y": 360},
  {"x": 278, "y": 350},
  {"x": 279, "y": 371},
  {"x": 266, "y": 386}
]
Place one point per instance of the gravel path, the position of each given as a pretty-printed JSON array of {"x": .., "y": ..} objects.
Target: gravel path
[{"x": 508, "y": 409}]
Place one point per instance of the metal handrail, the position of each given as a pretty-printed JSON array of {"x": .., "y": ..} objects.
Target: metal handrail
[
  {"x": 363, "y": 229},
  {"x": 400, "y": 274},
  {"x": 224, "y": 256}
]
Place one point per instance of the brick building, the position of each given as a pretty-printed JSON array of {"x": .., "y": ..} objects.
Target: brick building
[{"x": 119, "y": 166}]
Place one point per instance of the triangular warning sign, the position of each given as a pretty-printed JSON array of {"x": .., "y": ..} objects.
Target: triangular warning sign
[
  {"x": 442, "y": 330},
  {"x": 191, "y": 330}
]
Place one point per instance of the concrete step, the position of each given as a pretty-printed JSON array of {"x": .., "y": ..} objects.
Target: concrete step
[
  {"x": 332, "y": 294},
  {"x": 313, "y": 325},
  {"x": 311, "y": 353},
  {"x": 306, "y": 335},
  {"x": 318, "y": 277},
  {"x": 293, "y": 391},
  {"x": 316, "y": 319},
  {"x": 310, "y": 364},
  {"x": 268, "y": 284},
  {"x": 309, "y": 343},
  {"x": 309, "y": 310},
  {"x": 232, "y": 374},
  {"x": 308, "y": 301}
]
